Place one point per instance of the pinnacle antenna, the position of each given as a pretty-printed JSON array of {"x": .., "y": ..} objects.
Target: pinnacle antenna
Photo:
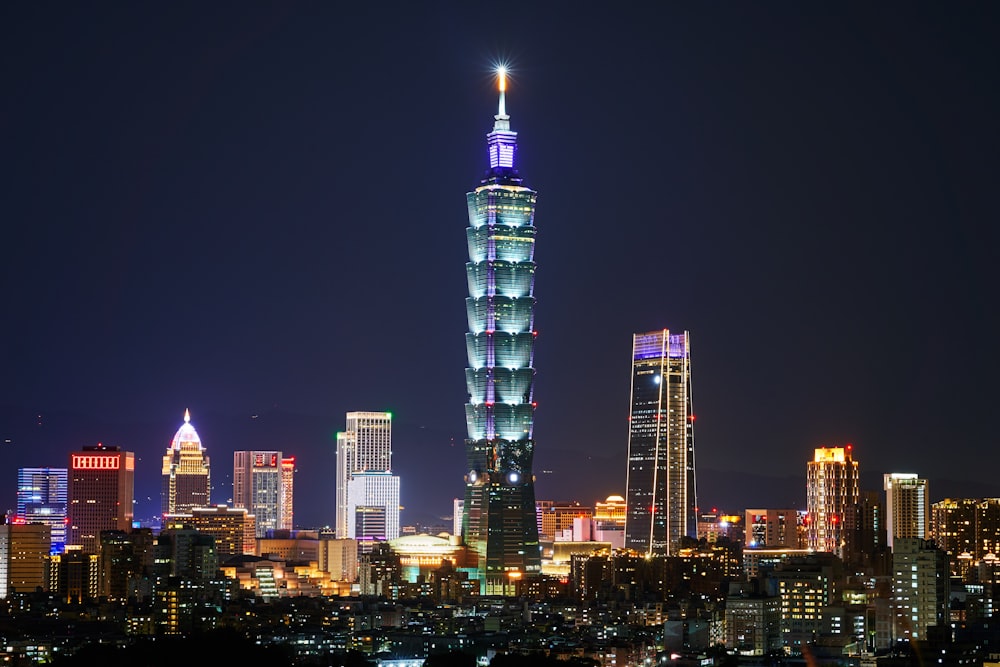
[{"x": 502, "y": 85}]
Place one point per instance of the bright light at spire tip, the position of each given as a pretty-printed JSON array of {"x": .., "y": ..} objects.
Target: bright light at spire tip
[{"x": 502, "y": 77}]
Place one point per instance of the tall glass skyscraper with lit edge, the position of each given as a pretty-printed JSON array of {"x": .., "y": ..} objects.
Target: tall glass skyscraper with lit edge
[
  {"x": 660, "y": 481},
  {"x": 499, "y": 523}
]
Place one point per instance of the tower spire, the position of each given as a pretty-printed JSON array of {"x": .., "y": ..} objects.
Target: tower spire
[
  {"x": 187, "y": 416},
  {"x": 502, "y": 85}
]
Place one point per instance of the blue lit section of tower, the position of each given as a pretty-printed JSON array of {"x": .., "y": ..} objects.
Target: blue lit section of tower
[{"x": 499, "y": 520}]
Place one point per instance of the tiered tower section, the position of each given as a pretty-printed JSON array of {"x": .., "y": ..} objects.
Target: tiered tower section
[{"x": 499, "y": 523}]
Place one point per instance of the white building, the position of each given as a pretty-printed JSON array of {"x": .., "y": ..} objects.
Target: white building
[
  {"x": 907, "y": 509},
  {"x": 373, "y": 506},
  {"x": 365, "y": 445}
]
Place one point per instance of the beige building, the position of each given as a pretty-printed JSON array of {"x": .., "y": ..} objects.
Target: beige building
[
  {"x": 232, "y": 528},
  {"x": 24, "y": 557},
  {"x": 831, "y": 494}
]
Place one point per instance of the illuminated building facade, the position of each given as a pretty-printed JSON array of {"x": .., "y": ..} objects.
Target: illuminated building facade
[
  {"x": 257, "y": 487},
  {"x": 186, "y": 480},
  {"x": 234, "y": 529},
  {"x": 24, "y": 558},
  {"x": 365, "y": 444},
  {"x": 101, "y": 490},
  {"x": 660, "y": 481},
  {"x": 907, "y": 506},
  {"x": 968, "y": 529},
  {"x": 373, "y": 507},
  {"x": 831, "y": 495},
  {"x": 41, "y": 498},
  {"x": 287, "y": 519},
  {"x": 772, "y": 529},
  {"x": 920, "y": 587},
  {"x": 74, "y": 576},
  {"x": 499, "y": 523}
]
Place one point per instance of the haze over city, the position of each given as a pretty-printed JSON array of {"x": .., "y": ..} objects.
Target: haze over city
[{"x": 259, "y": 215}]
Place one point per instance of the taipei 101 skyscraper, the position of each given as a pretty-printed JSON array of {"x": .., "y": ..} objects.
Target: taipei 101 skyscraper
[{"x": 499, "y": 521}]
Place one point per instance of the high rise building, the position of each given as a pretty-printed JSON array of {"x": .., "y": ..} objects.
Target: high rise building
[
  {"x": 41, "y": 498},
  {"x": 126, "y": 563},
  {"x": 186, "y": 480},
  {"x": 233, "y": 529},
  {"x": 373, "y": 507},
  {"x": 499, "y": 522},
  {"x": 831, "y": 495},
  {"x": 24, "y": 558},
  {"x": 907, "y": 506},
  {"x": 920, "y": 587},
  {"x": 968, "y": 529},
  {"x": 287, "y": 519},
  {"x": 772, "y": 529},
  {"x": 365, "y": 445},
  {"x": 257, "y": 487},
  {"x": 101, "y": 491},
  {"x": 865, "y": 543},
  {"x": 660, "y": 481}
]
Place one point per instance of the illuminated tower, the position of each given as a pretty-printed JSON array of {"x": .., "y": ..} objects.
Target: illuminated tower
[
  {"x": 101, "y": 491},
  {"x": 499, "y": 523},
  {"x": 365, "y": 445},
  {"x": 186, "y": 480},
  {"x": 257, "y": 487},
  {"x": 286, "y": 520},
  {"x": 831, "y": 496},
  {"x": 660, "y": 480},
  {"x": 907, "y": 510},
  {"x": 41, "y": 498}
]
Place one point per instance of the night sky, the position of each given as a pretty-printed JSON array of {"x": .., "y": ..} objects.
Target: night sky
[{"x": 257, "y": 211}]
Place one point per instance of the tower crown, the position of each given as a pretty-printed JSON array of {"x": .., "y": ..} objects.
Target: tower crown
[
  {"x": 186, "y": 433},
  {"x": 502, "y": 141}
]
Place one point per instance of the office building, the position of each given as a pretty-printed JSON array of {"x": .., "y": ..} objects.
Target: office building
[
  {"x": 287, "y": 519},
  {"x": 660, "y": 480},
  {"x": 831, "y": 494},
  {"x": 499, "y": 523},
  {"x": 101, "y": 490},
  {"x": 865, "y": 542},
  {"x": 753, "y": 623},
  {"x": 772, "y": 529},
  {"x": 234, "y": 529},
  {"x": 968, "y": 529},
  {"x": 364, "y": 445},
  {"x": 41, "y": 498},
  {"x": 126, "y": 564},
  {"x": 805, "y": 585},
  {"x": 74, "y": 576},
  {"x": 920, "y": 587},
  {"x": 373, "y": 507},
  {"x": 186, "y": 476},
  {"x": 257, "y": 487},
  {"x": 907, "y": 506},
  {"x": 24, "y": 558}
]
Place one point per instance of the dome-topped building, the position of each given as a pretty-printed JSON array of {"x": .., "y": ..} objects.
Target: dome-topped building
[{"x": 186, "y": 472}]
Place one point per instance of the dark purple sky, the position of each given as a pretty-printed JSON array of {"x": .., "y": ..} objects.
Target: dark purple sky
[{"x": 258, "y": 209}]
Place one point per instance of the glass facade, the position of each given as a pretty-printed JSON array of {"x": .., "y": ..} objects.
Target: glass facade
[
  {"x": 41, "y": 498},
  {"x": 498, "y": 521},
  {"x": 661, "y": 492}
]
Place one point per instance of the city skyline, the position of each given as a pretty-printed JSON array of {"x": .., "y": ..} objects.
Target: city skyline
[{"x": 818, "y": 180}]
